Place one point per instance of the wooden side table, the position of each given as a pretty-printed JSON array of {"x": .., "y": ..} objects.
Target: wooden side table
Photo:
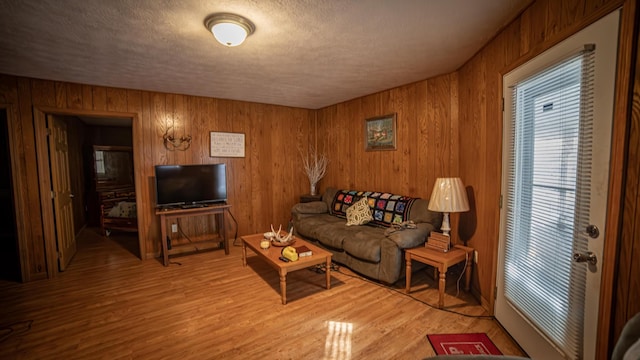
[{"x": 441, "y": 261}]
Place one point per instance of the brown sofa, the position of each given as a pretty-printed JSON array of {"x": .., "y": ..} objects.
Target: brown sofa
[{"x": 366, "y": 249}]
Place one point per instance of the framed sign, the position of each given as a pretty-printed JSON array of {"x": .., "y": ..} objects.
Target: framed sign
[
  {"x": 226, "y": 144},
  {"x": 380, "y": 133}
]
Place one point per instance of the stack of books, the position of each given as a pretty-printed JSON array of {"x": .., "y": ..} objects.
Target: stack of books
[
  {"x": 303, "y": 251},
  {"x": 438, "y": 241}
]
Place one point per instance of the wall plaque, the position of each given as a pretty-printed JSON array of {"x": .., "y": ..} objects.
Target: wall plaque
[{"x": 226, "y": 144}]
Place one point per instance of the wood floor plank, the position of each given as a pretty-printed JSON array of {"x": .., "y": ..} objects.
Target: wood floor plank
[{"x": 109, "y": 304}]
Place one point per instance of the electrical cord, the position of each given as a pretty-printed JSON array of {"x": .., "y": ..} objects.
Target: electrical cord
[
  {"x": 464, "y": 269},
  {"x": 182, "y": 232},
  {"x": 235, "y": 236},
  {"x": 486, "y": 317}
]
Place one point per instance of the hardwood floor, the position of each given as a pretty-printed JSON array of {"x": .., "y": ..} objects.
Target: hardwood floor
[{"x": 110, "y": 304}]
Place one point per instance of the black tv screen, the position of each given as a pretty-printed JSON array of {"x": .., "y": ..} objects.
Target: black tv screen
[{"x": 179, "y": 185}]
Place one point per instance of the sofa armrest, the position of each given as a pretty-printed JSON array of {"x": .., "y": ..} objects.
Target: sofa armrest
[
  {"x": 410, "y": 238},
  {"x": 302, "y": 210},
  {"x": 628, "y": 338}
]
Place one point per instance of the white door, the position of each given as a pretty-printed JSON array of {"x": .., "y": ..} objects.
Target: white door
[{"x": 547, "y": 184}]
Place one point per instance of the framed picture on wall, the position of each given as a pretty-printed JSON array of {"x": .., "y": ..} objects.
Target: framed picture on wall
[{"x": 380, "y": 133}]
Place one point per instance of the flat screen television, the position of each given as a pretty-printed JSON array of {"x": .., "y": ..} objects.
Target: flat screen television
[{"x": 190, "y": 185}]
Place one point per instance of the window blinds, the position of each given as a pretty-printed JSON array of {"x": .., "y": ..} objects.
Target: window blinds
[{"x": 548, "y": 198}]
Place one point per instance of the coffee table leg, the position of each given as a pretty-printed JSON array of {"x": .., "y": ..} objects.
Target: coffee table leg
[
  {"x": 328, "y": 272},
  {"x": 283, "y": 285},
  {"x": 244, "y": 254}
]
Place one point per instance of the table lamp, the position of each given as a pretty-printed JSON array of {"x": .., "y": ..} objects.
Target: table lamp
[{"x": 449, "y": 195}]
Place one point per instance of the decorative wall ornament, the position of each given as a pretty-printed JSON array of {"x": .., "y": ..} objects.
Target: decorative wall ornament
[{"x": 172, "y": 144}]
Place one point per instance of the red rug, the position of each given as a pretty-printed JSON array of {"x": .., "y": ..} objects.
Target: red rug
[{"x": 463, "y": 344}]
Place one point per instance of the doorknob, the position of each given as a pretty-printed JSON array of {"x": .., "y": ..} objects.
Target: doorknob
[
  {"x": 593, "y": 231},
  {"x": 588, "y": 257},
  {"x": 71, "y": 196}
]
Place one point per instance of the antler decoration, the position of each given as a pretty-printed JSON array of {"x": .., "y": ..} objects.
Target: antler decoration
[
  {"x": 281, "y": 238},
  {"x": 182, "y": 144}
]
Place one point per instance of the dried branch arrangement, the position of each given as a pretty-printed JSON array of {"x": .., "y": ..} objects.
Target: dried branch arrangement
[{"x": 315, "y": 166}]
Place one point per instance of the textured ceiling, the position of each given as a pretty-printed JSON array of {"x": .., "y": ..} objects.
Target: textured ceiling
[{"x": 304, "y": 53}]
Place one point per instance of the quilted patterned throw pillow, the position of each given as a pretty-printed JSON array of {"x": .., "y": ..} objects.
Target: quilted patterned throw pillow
[{"x": 359, "y": 213}]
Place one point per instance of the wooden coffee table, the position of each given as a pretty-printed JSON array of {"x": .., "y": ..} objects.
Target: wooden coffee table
[{"x": 272, "y": 254}]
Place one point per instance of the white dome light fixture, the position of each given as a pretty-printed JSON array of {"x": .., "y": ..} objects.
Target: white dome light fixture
[{"x": 229, "y": 29}]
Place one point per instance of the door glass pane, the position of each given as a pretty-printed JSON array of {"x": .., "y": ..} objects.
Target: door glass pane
[{"x": 541, "y": 210}]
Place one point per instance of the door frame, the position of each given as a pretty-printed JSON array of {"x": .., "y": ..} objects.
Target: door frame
[
  {"x": 18, "y": 192},
  {"x": 44, "y": 169}
]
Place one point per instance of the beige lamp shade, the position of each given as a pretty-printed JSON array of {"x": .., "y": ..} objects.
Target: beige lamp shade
[{"x": 449, "y": 195}]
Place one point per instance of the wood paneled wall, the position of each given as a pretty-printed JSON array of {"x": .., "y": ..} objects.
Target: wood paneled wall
[
  {"x": 262, "y": 186},
  {"x": 427, "y": 148},
  {"x": 541, "y": 25}
]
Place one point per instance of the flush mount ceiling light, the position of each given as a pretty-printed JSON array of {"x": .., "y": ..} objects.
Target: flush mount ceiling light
[{"x": 229, "y": 29}]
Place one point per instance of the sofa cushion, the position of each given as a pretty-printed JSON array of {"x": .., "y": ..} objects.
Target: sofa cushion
[
  {"x": 386, "y": 208},
  {"x": 313, "y": 226},
  {"x": 365, "y": 244},
  {"x": 333, "y": 235},
  {"x": 359, "y": 213},
  {"x": 329, "y": 230}
]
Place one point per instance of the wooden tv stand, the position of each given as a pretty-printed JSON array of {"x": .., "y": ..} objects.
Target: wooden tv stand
[{"x": 210, "y": 241}]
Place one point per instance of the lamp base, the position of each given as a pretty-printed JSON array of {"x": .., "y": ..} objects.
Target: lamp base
[{"x": 446, "y": 226}]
